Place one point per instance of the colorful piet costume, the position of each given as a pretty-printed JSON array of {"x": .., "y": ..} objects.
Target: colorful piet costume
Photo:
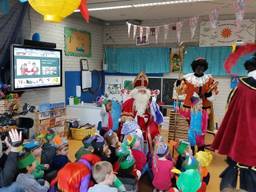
[
  {"x": 137, "y": 107},
  {"x": 197, "y": 90},
  {"x": 237, "y": 133}
]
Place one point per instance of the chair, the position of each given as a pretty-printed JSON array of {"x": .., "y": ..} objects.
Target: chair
[{"x": 24, "y": 124}]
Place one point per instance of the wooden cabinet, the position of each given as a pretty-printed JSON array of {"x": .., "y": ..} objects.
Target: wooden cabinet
[{"x": 54, "y": 118}]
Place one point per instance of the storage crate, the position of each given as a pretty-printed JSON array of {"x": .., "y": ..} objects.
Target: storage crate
[{"x": 80, "y": 133}]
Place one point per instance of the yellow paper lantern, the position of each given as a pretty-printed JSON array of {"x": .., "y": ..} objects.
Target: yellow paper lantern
[{"x": 54, "y": 10}]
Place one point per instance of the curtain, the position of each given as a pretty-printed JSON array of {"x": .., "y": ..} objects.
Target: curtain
[
  {"x": 216, "y": 57},
  {"x": 135, "y": 60},
  {"x": 10, "y": 33}
]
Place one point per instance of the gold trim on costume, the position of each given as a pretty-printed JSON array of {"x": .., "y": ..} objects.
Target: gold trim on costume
[
  {"x": 242, "y": 81},
  {"x": 141, "y": 77}
]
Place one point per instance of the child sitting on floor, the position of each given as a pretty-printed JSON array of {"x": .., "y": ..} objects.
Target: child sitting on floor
[
  {"x": 34, "y": 147},
  {"x": 161, "y": 168},
  {"x": 100, "y": 148},
  {"x": 61, "y": 158},
  {"x": 127, "y": 172},
  {"x": 139, "y": 156},
  {"x": 26, "y": 180},
  {"x": 86, "y": 148},
  {"x": 104, "y": 176},
  {"x": 113, "y": 143}
]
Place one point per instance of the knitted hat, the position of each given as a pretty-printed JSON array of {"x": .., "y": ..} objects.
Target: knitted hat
[
  {"x": 162, "y": 149},
  {"x": 82, "y": 151},
  {"x": 125, "y": 158},
  {"x": 87, "y": 141},
  {"x": 122, "y": 151},
  {"x": 98, "y": 143},
  {"x": 127, "y": 162},
  {"x": 182, "y": 146},
  {"x": 129, "y": 127},
  {"x": 50, "y": 135},
  {"x": 25, "y": 161},
  {"x": 60, "y": 142},
  {"x": 31, "y": 145}
]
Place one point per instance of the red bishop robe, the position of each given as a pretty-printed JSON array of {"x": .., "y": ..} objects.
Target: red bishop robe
[
  {"x": 236, "y": 136},
  {"x": 146, "y": 123}
]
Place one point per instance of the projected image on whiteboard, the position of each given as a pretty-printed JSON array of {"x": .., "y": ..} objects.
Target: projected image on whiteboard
[
  {"x": 36, "y": 68},
  {"x": 28, "y": 67}
]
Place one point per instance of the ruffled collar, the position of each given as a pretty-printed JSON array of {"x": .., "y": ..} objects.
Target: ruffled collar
[
  {"x": 252, "y": 74},
  {"x": 197, "y": 81}
]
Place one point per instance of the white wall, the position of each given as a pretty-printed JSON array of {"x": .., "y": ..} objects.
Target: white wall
[
  {"x": 54, "y": 32},
  {"x": 119, "y": 38}
]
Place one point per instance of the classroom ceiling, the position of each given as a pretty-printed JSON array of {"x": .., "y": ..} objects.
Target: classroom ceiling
[{"x": 164, "y": 11}]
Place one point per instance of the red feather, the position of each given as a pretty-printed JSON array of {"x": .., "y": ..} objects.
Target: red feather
[
  {"x": 241, "y": 51},
  {"x": 84, "y": 10}
]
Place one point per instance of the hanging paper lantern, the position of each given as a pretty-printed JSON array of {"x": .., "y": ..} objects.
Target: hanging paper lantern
[{"x": 54, "y": 10}]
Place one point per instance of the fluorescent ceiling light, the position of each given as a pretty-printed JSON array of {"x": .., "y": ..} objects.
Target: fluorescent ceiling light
[
  {"x": 110, "y": 8},
  {"x": 168, "y": 3},
  {"x": 145, "y": 5}
]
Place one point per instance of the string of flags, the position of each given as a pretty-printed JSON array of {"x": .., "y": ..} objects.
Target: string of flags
[{"x": 144, "y": 31}]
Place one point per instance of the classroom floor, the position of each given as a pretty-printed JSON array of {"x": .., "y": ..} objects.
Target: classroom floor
[{"x": 216, "y": 167}]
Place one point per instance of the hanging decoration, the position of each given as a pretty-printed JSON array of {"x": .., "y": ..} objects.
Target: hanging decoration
[
  {"x": 129, "y": 29},
  {"x": 178, "y": 30},
  {"x": 193, "y": 22},
  {"x": 147, "y": 33},
  {"x": 134, "y": 31},
  {"x": 234, "y": 57},
  {"x": 84, "y": 10},
  {"x": 56, "y": 11},
  {"x": 166, "y": 30},
  {"x": 239, "y": 11},
  {"x": 157, "y": 33},
  {"x": 141, "y": 33},
  {"x": 213, "y": 17}
]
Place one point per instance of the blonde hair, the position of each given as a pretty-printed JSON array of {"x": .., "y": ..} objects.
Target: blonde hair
[{"x": 101, "y": 170}]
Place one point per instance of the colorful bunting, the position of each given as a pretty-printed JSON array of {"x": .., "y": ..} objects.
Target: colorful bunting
[
  {"x": 193, "y": 22},
  {"x": 213, "y": 17},
  {"x": 178, "y": 30}
]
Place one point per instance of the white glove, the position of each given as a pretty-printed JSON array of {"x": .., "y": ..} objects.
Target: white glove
[{"x": 16, "y": 140}]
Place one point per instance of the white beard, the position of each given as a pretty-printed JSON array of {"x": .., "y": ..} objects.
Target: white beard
[{"x": 140, "y": 100}]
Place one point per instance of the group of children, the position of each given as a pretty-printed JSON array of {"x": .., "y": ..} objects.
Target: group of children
[{"x": 110, "y": 161}]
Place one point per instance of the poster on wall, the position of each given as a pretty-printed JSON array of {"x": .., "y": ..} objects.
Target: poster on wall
[
  {"x": 176, "y": 59},
  {"x": 114, "y": 89},
  {"x": 226, "y": 33},
  {"x": 77, "y": 43}
]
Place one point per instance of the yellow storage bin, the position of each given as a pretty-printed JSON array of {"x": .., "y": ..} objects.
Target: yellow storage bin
[{"x": 80, "y": 133}]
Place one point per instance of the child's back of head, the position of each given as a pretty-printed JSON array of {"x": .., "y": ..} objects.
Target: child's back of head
[{"x": 103, "y": 172}]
